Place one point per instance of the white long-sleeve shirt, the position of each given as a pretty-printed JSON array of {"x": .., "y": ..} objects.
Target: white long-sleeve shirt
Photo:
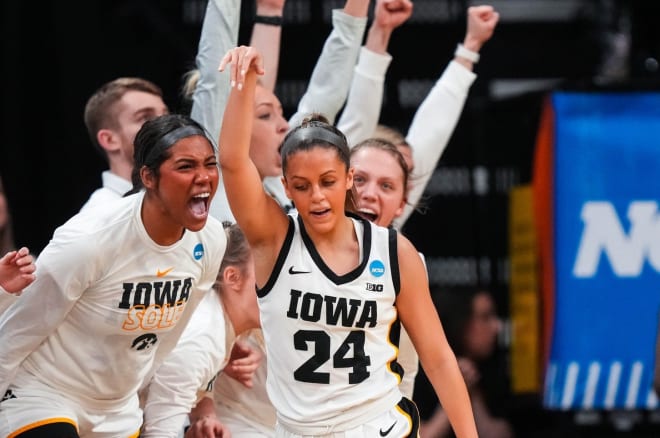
[
  {"x": 107, "y": 304},
  {"x": 187, "y": 371},
  {"x": 432, "y": 127}
]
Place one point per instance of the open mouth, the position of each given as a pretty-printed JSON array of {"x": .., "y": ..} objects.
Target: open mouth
[
  {"x": 199, "y": 205},
  {"x": 320, "y": 212}
]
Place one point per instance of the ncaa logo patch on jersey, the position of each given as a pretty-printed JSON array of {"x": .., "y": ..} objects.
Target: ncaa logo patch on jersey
[
  {"x": 377, "y": 268},
  {"x": 198, "y": 251}
]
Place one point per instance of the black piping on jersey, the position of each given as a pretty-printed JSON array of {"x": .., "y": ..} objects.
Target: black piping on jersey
[
  {"x": 394, "y": 335},
  {"x": 394, "y": 261},
  {"x": 279, "y": 263},
  {"x": 318, "y": 261},
  {"x": 395, "y": 329}
]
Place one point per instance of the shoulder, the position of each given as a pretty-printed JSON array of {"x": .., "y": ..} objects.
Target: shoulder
[
  {"x": 97, "y": 221},
  {"x": 407, "y": 253}
]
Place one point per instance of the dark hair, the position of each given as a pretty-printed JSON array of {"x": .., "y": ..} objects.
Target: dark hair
[
  {"x": 154, "y": 140},
  {"x": 237, "y": 252},
  {"x": 314, "y": 131},
  {"x": 101, "y": 108}
]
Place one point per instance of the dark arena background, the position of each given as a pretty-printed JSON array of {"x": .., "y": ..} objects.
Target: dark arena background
[{"x": 55, "y": 54}]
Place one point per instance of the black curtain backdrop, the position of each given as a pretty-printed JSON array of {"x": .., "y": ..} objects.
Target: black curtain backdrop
[{"x": 56, "y": 54}]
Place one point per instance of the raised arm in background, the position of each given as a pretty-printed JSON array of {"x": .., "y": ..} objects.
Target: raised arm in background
[
  {"x": 331, "y": 78},
  {"x": 436, "y": 118},
  {"x": 362, "y": 111},
  {"x": 328, "y": 86},
  {"x": 267, "y": 36}
]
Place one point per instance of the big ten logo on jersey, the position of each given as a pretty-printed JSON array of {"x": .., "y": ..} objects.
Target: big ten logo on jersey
[
  {"x": 374, "y": 287},
  {"x": 626, "y": 252},
  {"x": 154, "y": 305},
  {"x": 340, "y": 311}
]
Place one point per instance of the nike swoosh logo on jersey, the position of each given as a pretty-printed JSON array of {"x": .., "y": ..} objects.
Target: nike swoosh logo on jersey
[
  {"x": 294, "y": 272},
  {"x": 387, "y": 431},
  {"x": 160, "y": 273}
]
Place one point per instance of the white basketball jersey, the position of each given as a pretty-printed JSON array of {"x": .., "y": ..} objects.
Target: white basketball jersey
[{"x": 332, "y": 340}]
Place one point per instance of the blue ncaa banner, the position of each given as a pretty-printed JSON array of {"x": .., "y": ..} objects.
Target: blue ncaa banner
[{"x": 606, "y": 251}]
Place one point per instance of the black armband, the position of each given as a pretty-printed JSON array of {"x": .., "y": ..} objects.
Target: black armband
[{"x": 272, "y": 20}]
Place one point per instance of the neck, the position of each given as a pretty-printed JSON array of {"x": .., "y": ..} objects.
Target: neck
[{"x": 155, "y": 219}]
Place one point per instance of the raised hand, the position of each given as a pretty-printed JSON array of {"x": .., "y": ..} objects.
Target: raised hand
[
  {"x": 241, "y": 59},
  {"x": 388, "y": 15},
  {"x": 481, "y": 22},
  {"x": 17, "y": 270},
  {"x": 392, "y": 13}
]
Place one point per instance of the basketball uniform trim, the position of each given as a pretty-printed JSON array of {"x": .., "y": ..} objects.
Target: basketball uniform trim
[
  {"x": 42, "y": 423},
  {"x": 394, "y": 261},
  {"x": 279, "y": 263},
  {"x": 408, "y": 409},
  {"x": 316, "y": 257}
]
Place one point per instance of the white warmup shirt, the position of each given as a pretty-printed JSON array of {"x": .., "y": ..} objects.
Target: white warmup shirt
[{"x": 107, "y": 304}]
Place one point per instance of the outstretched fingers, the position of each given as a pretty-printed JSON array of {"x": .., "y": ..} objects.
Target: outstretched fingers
[{"x": 240, "y": 60}]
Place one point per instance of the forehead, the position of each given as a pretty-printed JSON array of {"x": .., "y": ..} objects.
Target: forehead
[
  {"x": 313, "y": 162},
  {"x": 376, "y": 162},
  {"x": 135, "y": 101},
  {"x": 263, "y": 96},
  {"x": 194, "y": 146}
]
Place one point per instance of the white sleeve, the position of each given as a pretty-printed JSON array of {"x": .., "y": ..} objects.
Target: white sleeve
[
  {"x": 432, "y": 127},
  {"x": 360, "y": 117},
  {"x": 7, "y": 299},
  {"x": 219, "y": 34},
  {"x": 328, "y": 86},
  {"x": 186, "y": 371},
  {"x": 64, "y": 269}
]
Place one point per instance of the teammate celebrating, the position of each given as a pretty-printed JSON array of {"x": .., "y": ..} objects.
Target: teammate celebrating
[
  {"x": 116, "y": 286},
  {"x": 333, "y": 289}
]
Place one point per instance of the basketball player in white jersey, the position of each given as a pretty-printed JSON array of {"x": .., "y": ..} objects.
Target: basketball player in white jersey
[
  {"x": 333, "y": 289},
  {"x": 381, "y": 182},
  {"x": 115, "y": 288}
]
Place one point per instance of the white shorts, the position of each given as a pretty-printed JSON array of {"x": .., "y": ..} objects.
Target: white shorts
[
  {"x": 242, "y": 428},
  {"x": 24, "y": 409},
  {"x": 399, "y": 422}
]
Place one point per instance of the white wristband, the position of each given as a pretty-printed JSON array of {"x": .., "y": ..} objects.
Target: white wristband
[{"x": 466, "y": 53}]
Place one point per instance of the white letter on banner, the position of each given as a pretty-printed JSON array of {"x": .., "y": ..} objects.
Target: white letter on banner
[{"x": 603, "y": 233}]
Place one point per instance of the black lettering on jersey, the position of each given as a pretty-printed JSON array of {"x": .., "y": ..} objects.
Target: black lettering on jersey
[
  {"x": 369, "y": 315},
  {"x": 163, "y": 292},
  {"x": 333, "y": 313},
  {"x": 374, "y": 287},
  {"x": 338, "y": 310},
  {"x": 293, "y": 304},
  {"x": 311, "y": 307}
]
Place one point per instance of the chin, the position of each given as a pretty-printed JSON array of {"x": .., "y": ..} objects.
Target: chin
[{"x": 196, "y": 224}]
